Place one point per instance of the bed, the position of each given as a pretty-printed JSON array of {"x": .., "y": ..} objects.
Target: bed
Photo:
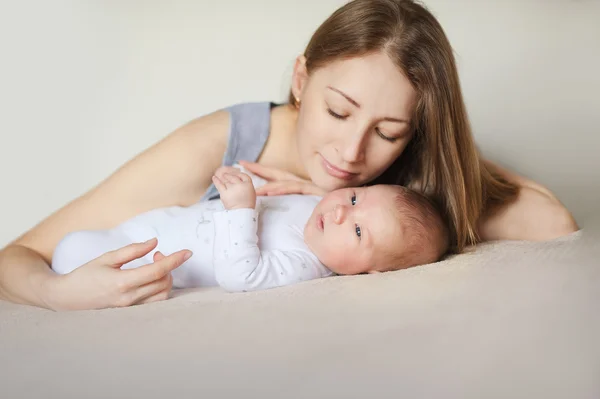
[{"x": 509, "y": 319}]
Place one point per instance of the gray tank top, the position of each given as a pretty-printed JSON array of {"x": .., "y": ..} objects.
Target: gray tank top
[{"x": 249, "y": 126}]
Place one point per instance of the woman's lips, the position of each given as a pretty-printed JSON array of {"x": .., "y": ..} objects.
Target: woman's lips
[{"x": 337, "y": 172}]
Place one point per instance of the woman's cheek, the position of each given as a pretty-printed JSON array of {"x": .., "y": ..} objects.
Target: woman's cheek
[
  {"x": 311, "y": 134},
  {"x": 327, "y": 126},
  {"x": 384, "y": 156}
]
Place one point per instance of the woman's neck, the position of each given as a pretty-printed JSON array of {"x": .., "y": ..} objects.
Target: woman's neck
[{"x": 281, "y": 149}]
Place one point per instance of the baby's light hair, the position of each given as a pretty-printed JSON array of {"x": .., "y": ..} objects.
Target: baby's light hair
[{"x": 425, "y": 236}]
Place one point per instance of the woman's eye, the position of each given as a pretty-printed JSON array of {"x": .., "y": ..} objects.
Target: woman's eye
[
  {"x": 353, "y": 199},
  {"x": 358, "y": 232},
  {"x": 336, "y": 116},
  {"x": 383, "y": 136}
]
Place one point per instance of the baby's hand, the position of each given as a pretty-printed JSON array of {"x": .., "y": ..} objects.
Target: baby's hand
[{"x": 235, "y": 187}]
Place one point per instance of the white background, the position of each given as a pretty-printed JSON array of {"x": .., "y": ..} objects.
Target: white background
[{"x": 85, "y": 85}]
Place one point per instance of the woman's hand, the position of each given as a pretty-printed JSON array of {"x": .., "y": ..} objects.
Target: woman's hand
[
  {"x": 290, "y": 187},
  {"x": 281, "y": 182},
  {"x": 101, "y": 283}
]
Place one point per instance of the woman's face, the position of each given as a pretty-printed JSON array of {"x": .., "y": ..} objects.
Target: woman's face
[{"x": 354, "y": 119}]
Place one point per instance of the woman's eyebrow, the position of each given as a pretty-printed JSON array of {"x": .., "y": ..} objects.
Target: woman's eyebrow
[
  {"x": 396, "y": 120},
  {"x": 347, "y": 97}
]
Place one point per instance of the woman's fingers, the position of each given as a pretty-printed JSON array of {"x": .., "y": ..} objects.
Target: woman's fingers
[
  {"x": 160, "y": 296},
  {"x": 154, "y": 291},
  {"x": 119, "y": 257},
  {"x": 155, "y": 271},
  {"x": 271, "y": 188},
  {"x": 268, "y": 173},
  {"x": 158, "y": 256},
  {"x": 311, "y": 189},
  {"x": 289, "y": 187}
]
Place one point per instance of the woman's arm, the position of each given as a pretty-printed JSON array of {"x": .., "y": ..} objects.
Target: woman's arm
[
  {"x": 23, "y": 276},
  {"x": 535, "y": 215},
  {"x": 175, "y": 171}
]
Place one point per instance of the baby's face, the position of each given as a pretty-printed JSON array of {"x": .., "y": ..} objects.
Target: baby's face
[{"x": 349, "y": 228}]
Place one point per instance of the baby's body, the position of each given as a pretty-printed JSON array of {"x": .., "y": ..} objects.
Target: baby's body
[
  {"x": 225, "y": 245},
  {"x": 244, "y": 243}
]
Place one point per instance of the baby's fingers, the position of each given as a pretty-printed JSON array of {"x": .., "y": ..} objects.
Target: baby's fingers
[
  {"x": 232, "y": 178},
  {"x": 244, "y": 177},
  {"x": 219, "y": 184},
  {"x": 225, "y": 169}
]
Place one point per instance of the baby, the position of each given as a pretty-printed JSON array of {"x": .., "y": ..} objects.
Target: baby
[{"x": 242, "y": 243}]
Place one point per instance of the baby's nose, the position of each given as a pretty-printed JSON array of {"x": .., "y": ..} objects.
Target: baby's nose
[{"x": 340, "y": 212}]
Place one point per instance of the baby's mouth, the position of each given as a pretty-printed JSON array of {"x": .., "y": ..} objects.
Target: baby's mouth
[{"x": 320, "y": 224}]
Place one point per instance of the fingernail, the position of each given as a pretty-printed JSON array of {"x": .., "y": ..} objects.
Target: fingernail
[
  {"x": 150, "y": 240},
  {"x": 187, "y": 255}
]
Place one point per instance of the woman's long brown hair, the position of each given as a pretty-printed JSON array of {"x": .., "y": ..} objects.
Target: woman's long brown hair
[{"x": 441, "y": 160}]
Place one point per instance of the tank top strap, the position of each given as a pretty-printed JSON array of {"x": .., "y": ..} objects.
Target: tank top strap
[{"x": 249, "y": 127}]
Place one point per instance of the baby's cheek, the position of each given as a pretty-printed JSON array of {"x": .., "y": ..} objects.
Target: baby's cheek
[{"x": 341, "y": 260}]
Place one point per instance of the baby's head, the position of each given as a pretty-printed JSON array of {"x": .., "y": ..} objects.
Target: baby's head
[{"x": 375, "y": 229}]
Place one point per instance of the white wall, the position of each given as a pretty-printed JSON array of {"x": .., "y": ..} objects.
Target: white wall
[{"x": 85, "y": 85}]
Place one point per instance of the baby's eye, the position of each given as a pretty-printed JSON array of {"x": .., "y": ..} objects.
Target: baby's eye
[
  {"x": 353, "y": 200},
  {"x": 358, "y": 231}
]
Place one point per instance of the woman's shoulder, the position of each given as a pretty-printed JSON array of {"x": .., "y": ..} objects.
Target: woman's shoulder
[
  {"x": 253, "y": 118},
  {"x": 254, "y": 128},
  {"x": 233, "y": 124},
  {"x": 265, "y": 106},
  {"x": 250, "y": 114}
]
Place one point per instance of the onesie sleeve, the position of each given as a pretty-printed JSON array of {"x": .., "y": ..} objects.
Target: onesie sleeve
[{"x": 240, "y": 265}]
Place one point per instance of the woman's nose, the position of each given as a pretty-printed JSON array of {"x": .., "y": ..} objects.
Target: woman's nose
[
  {"x": 339, "y": 213},
  {"x": 354, "y": 148}
]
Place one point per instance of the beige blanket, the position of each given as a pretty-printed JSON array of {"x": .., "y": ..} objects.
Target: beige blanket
[{"x": 511, "y": 320}]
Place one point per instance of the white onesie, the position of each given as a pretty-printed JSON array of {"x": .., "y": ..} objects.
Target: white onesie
[{"x": 240, "y": 250}]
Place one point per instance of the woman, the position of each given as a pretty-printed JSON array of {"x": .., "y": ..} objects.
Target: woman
[{"x": 375, "y": 98}]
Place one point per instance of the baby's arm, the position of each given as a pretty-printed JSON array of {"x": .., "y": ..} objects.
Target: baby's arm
[
  {"x": 241, "y": 266},
  {"x": 239, "y": 263}
]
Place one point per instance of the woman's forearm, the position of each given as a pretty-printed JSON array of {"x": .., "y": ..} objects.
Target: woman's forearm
[{"x": 24, "y": 276}]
